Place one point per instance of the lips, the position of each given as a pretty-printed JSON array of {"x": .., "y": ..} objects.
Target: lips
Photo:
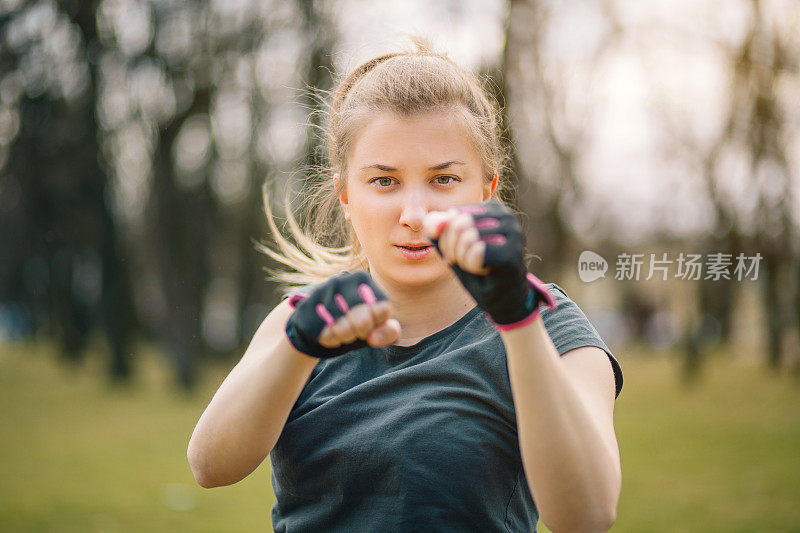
[
  {"x": 414, "y": 245},
  {"x": 414, "y": 251}
]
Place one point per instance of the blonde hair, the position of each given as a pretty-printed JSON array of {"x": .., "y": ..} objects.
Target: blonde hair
[{"x": 406, "y": 83}]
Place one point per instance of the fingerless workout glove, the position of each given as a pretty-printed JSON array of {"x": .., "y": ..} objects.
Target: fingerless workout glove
[
  {"x": 323, "y": 305},
  {"x": 509, "y": 294}
]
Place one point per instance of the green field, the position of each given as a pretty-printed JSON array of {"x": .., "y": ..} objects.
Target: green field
[{"x": 76, "y": 455}]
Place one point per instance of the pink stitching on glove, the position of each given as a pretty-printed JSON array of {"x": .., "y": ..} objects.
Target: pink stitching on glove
[
  {"x": 324, "y": 314},
  {"x": 340, "y": 301},
  {"x": 487, "y": 223},
  {"x": 366, "y": 294},
  {"x": 494, "y": 238}
]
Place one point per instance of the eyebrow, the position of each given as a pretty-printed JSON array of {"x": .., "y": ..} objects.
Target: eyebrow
[{"x": 387, "y": 168}]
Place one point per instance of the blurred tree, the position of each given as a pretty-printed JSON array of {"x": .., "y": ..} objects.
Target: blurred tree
[
  {"x": 203, "y": 93},
  {"x": 754, "y": 134},
  {"x": 62, "y": 257},
  {"x": 116, "y": 302},
  {"x": 134, "y": 138},
  {"x": 530, "y": 116},
  {"x": 320, "y": 34},
  {"x": 553, "y": 132},
  {"x": 548, "y": 130}
]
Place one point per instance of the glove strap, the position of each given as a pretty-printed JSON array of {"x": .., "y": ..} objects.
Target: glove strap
[{"x": 537, "y": 295}]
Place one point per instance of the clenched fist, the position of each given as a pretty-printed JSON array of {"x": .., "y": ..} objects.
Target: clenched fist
[
  {"x": 483, "y": 245},
  {"x": 346, "y": 312}
]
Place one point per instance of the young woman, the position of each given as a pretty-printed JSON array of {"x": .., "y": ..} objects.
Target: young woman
[{"x": 417, "y": 377}]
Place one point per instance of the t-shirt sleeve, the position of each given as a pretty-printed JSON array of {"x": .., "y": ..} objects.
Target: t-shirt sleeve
[{"x": 569, "y": 328}]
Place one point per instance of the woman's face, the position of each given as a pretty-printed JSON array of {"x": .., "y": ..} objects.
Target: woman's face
[{"x": 399, "y": 170}]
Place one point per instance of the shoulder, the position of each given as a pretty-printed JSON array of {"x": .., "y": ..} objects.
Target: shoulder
[
  {"x": 569, "y": 328},
  {"x": 557, "y": 291},
  {"x": 566, "y": 309},
  {"x": 565, "y": 306}
]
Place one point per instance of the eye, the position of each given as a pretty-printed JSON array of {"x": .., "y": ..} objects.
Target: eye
[
  {"x": 449, "y": 178},
  {"x": 382, "y": 181}
]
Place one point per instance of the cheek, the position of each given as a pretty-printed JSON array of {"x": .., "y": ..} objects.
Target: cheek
[
  {"x": 370, "y": 224},
  {"x": 375, "y": 232},
  {"x": 373, "y": 211}
]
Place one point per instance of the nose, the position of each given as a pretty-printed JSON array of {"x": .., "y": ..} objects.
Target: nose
[{"x": 413, "y": 210}]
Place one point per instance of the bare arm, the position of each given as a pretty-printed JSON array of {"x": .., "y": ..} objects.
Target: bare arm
[
  {"x": 246, "y": 416},
  {"x": 565, "y": 415},
  {"x": 564, "y": 405}
]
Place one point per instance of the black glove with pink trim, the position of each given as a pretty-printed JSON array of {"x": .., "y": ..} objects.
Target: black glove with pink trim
[
  {"x": 323, "y": 305},
  {"x": 509, "y": 294}
]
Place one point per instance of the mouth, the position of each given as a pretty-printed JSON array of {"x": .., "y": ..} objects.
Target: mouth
[
  {"x": 414, "y": 248},
  {"x": 416, "y": 252}
]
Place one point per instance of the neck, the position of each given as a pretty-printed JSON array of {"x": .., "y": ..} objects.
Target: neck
[{"x": 422, "y": 310}]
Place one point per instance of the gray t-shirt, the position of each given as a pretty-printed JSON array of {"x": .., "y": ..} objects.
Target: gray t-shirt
[{"x": 415, "y": 438}]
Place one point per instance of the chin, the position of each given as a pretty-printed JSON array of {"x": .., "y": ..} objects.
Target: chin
[{"x": 417, "y": 275}]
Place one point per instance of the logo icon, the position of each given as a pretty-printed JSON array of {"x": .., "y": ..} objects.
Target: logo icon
[{"x": 591, "y": 266}]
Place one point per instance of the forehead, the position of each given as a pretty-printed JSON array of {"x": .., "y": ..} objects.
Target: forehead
[{"x": 420, "y": 139}]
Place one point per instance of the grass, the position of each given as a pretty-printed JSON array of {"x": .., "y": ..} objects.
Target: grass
[
  {"x": 76, "y": 455},
  {"x": 721, "y": 456}
]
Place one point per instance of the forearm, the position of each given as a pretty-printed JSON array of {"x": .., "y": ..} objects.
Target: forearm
[
  {"x": 245, "y": 417},
  {"x": 572, "y": 471}
]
